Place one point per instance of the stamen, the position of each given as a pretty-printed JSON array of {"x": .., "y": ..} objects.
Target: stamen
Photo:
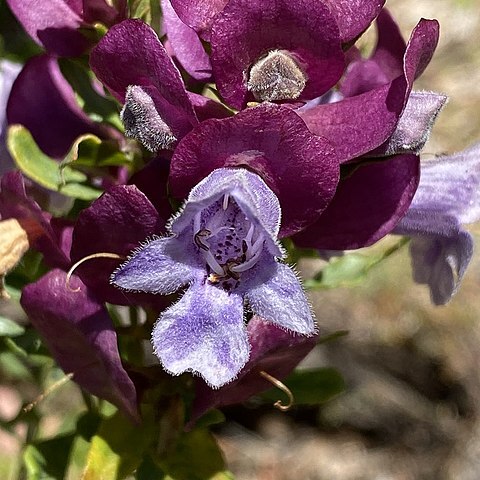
[
  {"x": 200, "y": 239},
  {"x": 243, "y": 267},
  {"x": 84, "y": 259},
  {"x": 212, "y": 262},
  {"x": 277, "y": 383},
  {"x": 258, "y": 245},
  {"x": 196, "y": 222},
  {"x": 249, "y": 236},
  {"x": 225, "y": 201}
]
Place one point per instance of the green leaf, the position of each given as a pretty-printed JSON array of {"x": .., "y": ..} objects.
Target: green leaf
[
  {"x": 9, "y": 328},
  {"x": 89, "y": 151},
  {"x": 196, "y": 457},
  {"x": 99, "y": 107},
  {"x": 310, "y": 386},
  {"x": 350, "y": 270},
  {"x": 148, "y": 10},
  {"x": 48, "y": 459},
  {"x": 44, "y": 170},
  {"x": 118, "y": 447}
]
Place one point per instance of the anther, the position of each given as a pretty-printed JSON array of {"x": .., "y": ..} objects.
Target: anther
[
  {"x": 143, "y": 122},
  {"x": 277, "y": 76},
  {"x": 200, "y": 239},
  {"x": 84, "y": 259},
  {"x": 281, "y": 386},
  {"x": 213, "y": 264}
]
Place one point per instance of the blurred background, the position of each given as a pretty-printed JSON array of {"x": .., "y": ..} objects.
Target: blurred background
[{"x": 411, "y": 407}]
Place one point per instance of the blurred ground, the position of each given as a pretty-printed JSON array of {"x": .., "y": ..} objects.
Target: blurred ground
[
  {"x": 412, "y": 406},
  {"x": 411, "y": 410}
]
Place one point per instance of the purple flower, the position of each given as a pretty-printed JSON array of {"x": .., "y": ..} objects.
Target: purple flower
[
  {"x": 55, "y": 132},
  {"x": 134, "y": 65},
  {"x": 447, "y": 197},
  {"x": 8, "y": 73},
  {"x": 273, "y": 141},
  {"x": 56, "y": 24},
  {"x": 275, "y": 50},
  {"x": 223, "y": 244},
  {"x": 382, "y": 118}
]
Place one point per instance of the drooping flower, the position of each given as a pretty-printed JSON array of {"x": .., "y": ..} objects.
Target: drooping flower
[
  {"x": 375, "y": 190},
  {"x": 136, "y": 68},
  {"x": 223, "y": 246},
  {"x": 448, "y": 197}
]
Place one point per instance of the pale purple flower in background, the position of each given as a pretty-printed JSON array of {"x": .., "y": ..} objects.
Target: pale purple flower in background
[
  {"x": 8, "y": 74},
  {"x": 223, "y": 245},
  {"x": 448, "y": 196}
]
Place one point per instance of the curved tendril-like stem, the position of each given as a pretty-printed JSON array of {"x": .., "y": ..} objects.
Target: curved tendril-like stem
[
  {"x": 84, "y": 259},
  {"x": 48, "y": 391},
  {"x": 277, "y": 383}
]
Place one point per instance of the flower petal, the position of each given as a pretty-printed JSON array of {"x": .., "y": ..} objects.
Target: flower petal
[
  {"x": 367, "y": 206},
  {"x": 204, "y": 334},
  {"x": 414, "y": 126},
  {"x": 117, "y": 222},
  {"x": 131, "y": 54},
  {"x": 53, "y": 116},
  {"x": 53, "y": 24},
  {"x": 357, "y": 125},
  {"x": 80, "y": 335},
  {"x": 274, "y": 350},
  {"x": 251, "y": 194},
  {"x": 441, "y": 263},
  {"x": 354, "y": 16},
  {"x": 448, "y": 195},
  {"x": 274, "y": 293},
  {"x": 160, "y": 266},
  {"x": 186, "y": 45},
  {"x": 245, "y": 31},
  {"x": 271, "y": 140}
]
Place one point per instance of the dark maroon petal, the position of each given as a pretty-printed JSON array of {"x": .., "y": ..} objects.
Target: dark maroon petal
[
  {"x": 367, "y": 205},
  {"x": 53, "y": 24},
  {"x": 359, "y": 124},
  {"x": 246, "y": 31},
  {"x": 354, "y": 16},
  {"x": 206, "y": 108},
  {"x": 273, "y": 350},
  {"x": 270, "y": 140},
  {"x": 152, "y": 181},
  {"x": 103, "y": 12},
  {"x": 49, "y": 237},
  {"x": 186, "y": 45},
  {"x": 131, "y": 54},
  {"x": 199, "y": 15},
  {"x": 117, "y": 222},
  {"x": 79, "y": 333},
  {"x": 44, "y": 102},
  {"x": 383, "y": 66}
]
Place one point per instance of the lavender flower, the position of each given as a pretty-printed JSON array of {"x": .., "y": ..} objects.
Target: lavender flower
[
  {"x": 223, "y": 245},
  {"x": 447, "y": 197}
]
